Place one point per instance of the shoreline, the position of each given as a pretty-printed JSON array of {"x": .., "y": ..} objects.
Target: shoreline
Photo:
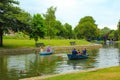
[
  {"x": 55, "y": 48},
  {"x": 53, "y": 75}
]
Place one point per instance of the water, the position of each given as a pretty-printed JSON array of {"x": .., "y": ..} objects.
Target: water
[
  {"x": 14, "y": 67},
  {"x": 107, "y": 57}
]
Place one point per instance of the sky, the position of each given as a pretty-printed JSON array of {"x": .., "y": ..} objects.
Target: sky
[{"x": 106, "y": 13}]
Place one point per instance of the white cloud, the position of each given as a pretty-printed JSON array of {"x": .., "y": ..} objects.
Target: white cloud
[{"x": 105, "y": 12}]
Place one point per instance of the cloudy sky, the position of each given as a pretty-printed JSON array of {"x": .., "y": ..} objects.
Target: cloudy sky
[{"x": 105, "y": 12}]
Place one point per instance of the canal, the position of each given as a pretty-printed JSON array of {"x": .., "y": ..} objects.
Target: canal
[{"x": 14, "y": 67}]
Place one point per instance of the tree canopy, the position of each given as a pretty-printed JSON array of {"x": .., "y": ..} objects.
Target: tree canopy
[
  {"x": 50, "y": 21},
  {"x": 86, "y": 28},
  {"x": 12, "y": 18},
  {"x": 67, "y": 31},
  {"x": 37, "y": 27}
]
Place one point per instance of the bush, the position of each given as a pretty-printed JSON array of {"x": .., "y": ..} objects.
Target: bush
[{"x": 18, "y": 35}]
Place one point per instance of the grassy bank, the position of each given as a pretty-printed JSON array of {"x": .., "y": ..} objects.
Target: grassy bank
[
  {"x": 16, "y": 43},
  {"x": 112, "y": 73}
]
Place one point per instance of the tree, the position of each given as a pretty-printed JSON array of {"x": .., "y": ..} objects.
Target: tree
[
  {"x": 50, "y": 20},
  {"x": 112, "y": 35},
  {"x": 59, "y": 29},
  {"x": 86, "y": 28},
  {"x": 104, "y": 32},
  {"x": 116, "y": 35},
  {"x": 37, "y": 27},
  {"x": 118, "y": 28},
  {"x": 68, "y": 31},
  {"x": 11, "y": 18}
]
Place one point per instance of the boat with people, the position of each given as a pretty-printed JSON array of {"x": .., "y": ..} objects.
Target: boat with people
[
  {"x": 75, "y": 57},
  {"x": 78, "y": 55},
  {"x": 48, "y": 51}
]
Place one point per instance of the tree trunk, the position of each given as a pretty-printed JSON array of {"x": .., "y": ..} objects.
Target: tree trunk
[{"x": 1, "y": 36}]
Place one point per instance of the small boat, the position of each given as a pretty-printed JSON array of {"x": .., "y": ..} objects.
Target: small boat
[
  {"x": 48, "y": 51},
  {"x": 74, "y": 57}
]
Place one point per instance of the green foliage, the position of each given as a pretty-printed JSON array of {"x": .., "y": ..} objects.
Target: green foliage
[
  {"x": 104, "y": 31},
  {"x": 50, "y": 14},
  {"x": 59, "y": 29},
  {"x": 86, "y": 28},
  {"x": 50, "y": 22},
  {"x": 118, "y": 29},
  {"x": 54, "y": 28},
  {"x": 67, "y": 31},
  {"x": 12, "y": 18},
  {"x": 37, "y": 27},
  {"x": 18, "y": 35},
  {"x": 116, "y": 35},
  {"x": 110, "y": 34}
]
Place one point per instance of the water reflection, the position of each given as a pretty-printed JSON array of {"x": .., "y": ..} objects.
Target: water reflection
[
  {"x": 14, "y": 67},
  {"x": 107, "y": 57},
  {"x": 81, "y": 64}
]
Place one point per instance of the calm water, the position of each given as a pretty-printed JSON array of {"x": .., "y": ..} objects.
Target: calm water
[{"x": 14, "y": 67}]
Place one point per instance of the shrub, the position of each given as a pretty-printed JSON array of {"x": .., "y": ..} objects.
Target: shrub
[{"x": 18, "y": 35}]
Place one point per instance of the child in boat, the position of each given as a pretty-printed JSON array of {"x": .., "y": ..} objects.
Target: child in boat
[
  {"x": 48, "y": 49},
  {"x": 79, "y": 53},
  {"x": 41, "y": 49}
]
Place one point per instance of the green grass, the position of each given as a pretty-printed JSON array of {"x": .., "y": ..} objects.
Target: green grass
[
  {"x": 112, "y": 73},
  {"x": 17, "y": 43}
]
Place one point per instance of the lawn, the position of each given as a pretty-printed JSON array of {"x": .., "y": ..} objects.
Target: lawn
[
  {"x": 17, "y": 43},
  {"x": 112, "y": 73}
]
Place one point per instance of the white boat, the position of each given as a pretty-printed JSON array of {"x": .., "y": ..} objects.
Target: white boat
[{"x": 48, "y": 51}]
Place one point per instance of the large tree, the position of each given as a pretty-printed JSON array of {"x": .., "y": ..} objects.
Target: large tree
[
  {"x": 12, "y": 18},
  {"x": 37, "y": 27},
  {"x": 50, "y": 21},
  {"x": 86, "y": 28}
]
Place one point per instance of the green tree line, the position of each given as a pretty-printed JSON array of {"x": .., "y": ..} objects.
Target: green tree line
[{"x": 47, "y": 26}]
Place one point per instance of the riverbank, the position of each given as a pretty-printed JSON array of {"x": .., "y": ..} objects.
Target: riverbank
[
  {"x": 55, "y": 48},
  {"x": 111, "y": 73}
]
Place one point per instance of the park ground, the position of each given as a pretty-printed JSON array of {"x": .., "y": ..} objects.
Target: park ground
[{"x": 111, "y": 73}]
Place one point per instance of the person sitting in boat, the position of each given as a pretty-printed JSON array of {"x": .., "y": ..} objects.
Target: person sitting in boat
[
  {"x": 74, "y": 52},
  {"x": 41, "y": 49},
  {"x": 48, "y": 49},
  {"x": 79, "y": 53},
  {"x": 84, "y": 51}
]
